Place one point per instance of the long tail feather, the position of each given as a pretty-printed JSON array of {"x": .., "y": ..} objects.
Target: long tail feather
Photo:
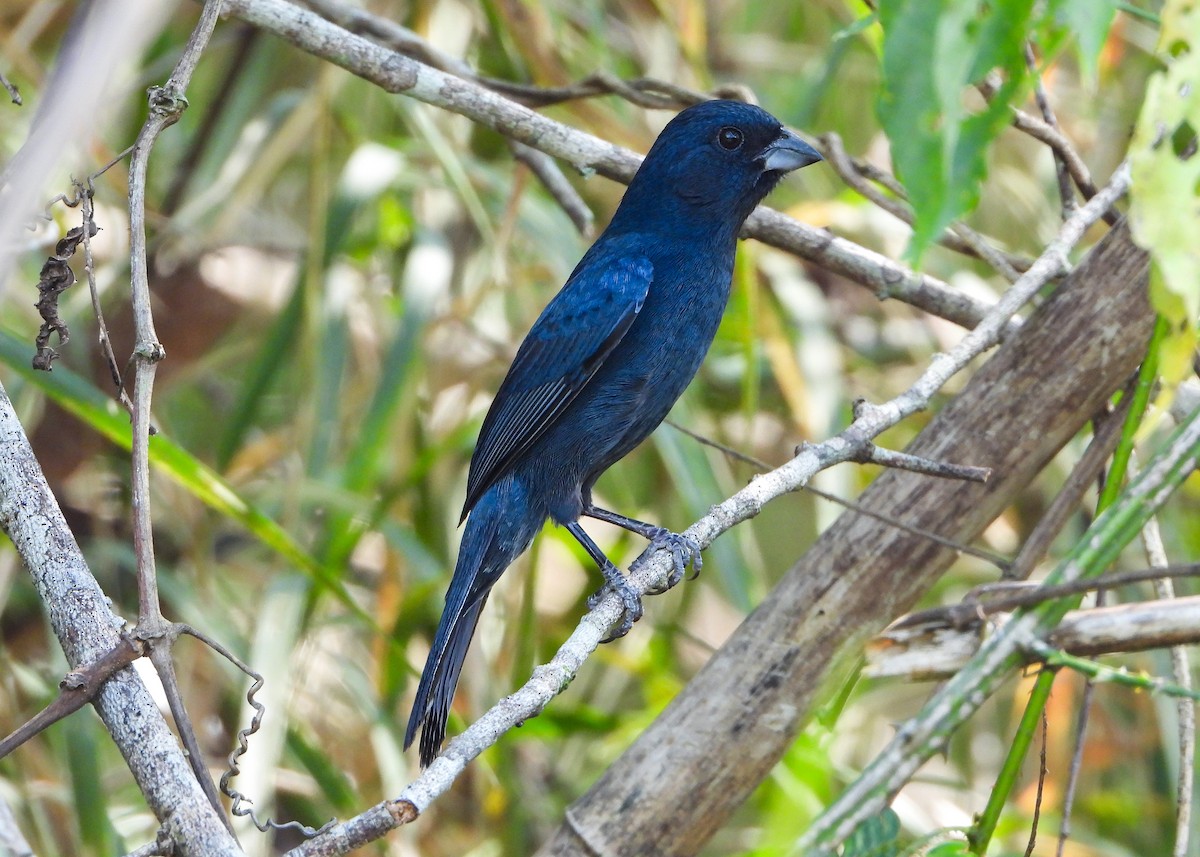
[{"x": 499, "y": 529}]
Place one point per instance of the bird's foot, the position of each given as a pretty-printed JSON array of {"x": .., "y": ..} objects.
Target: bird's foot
[
  {"x": 684, "y": 552},
  {"x": 615, "y": 581}
]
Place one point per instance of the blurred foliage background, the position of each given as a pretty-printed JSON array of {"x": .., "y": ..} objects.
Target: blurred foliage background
[{"x": 342, "y": 277}]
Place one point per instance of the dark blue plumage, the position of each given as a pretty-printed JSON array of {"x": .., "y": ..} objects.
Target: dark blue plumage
[{"x": 603, "y": 364}]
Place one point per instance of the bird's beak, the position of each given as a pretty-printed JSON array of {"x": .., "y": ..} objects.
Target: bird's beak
[{"x": 788, "y": 152}]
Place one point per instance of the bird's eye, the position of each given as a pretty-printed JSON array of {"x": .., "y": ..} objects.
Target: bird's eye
[{"x": 729, "y": 138}]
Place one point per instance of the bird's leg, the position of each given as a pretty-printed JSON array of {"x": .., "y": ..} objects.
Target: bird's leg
[
  {"x": 684, "y": 551},
  {"x": 613, "y": 579}
]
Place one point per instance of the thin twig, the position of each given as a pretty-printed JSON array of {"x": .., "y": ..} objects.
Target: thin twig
[
  {"x": 106, "y": 349},
  {"x": 1107, "y": 429},
  {"x": 871, "y": 454},
  {"x": 166, "y": 104},
  {"x": 77, "y": 689},
  {"x": 161, "y": 654},
  {"x": 1060, "y": 144},
  {"x": 987, "y": 600},
  {"x": 995, "y": 559},
  {"x": 1065, "y": 192},
  {"x": 1075, "y": 767},
  {"x": 14, "y": 94},
  {"x": 404, "y": 75},
  {"x": 1041, "y": 785},
  {"x": 959, "y": 237},
  {"x": 242, "y": 50},
  {"x": 557, "y": 186},
  {"x": 1156, "y": 555}
]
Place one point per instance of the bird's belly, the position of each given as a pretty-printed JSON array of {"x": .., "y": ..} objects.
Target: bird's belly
[{"x": 614, "y": 413}]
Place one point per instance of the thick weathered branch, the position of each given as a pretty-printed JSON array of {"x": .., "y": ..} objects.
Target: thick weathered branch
[
  {"x": 1097, "y": 631},
  {"x": 88, "y": 630},
  {"x": 920, "y": 738},
  {"x": 720, "y": 737}
]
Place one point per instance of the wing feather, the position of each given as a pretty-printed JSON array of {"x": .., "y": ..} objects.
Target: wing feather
[{"x": 564, "y": 349}]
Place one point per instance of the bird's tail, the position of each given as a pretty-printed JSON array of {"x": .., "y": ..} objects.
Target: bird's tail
[{"x": 500, "y": 527}]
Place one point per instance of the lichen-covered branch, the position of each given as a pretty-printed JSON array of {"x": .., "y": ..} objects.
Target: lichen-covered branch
[{"x": 88, "y": 630}]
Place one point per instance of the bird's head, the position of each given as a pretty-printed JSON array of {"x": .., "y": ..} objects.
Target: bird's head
[{"x": 714, "y": 162}]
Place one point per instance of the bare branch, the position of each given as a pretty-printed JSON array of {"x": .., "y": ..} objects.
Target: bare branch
[
  {"x": 960, "y": 237},
  {"x": 918, "y": 739},
  {"x": 742, "y": 711},
  {"x": 1041, "y": 785},
  {"x": 88, "y": 630},
  {"x": 14, "y": 94},
  {"x": 871, "y": 454},
  {"x": 984, "y": 601},
  {"x": 404, "y": 75},
  {"x": 931, "y": 653},
  {"x": 1181, "y": 671},
  {"x": 85, "y": 195},
  {"x": 77, "y": 689},
  {"x": 1107, "y": 432},
  {"x": 166, "y": 104},
  {"x": 1060, "y": 144},
  {"x": 1065, "y": 192},
  {"x": 1076, "y": 766},
  {"x": 556, "y": 184}
]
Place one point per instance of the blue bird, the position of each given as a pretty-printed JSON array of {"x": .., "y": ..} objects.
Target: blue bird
[{"x": 602, "y": 366}]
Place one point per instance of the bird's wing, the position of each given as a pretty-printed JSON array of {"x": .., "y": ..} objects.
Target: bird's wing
[{"x": 568, "y": 343}]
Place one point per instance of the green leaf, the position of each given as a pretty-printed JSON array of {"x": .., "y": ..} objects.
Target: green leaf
[
  {"x": 91, "y": 799},
  {"x": 932, "y": 51},
  {"x": 86, "y": 402},
  {"x": 875, "y": 837},
  {"x": 855, "y": 27},
  {"x": 1165, "y": 193},
  {"x": 335, "y": 786},
  {"x": 948, "y": 849},
  {"x": 1088, "y": 21}
]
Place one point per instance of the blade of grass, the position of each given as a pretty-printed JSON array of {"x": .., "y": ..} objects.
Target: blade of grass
[
  {"x": 90, "y": 405},
  {"x": 980, "y": 834}
]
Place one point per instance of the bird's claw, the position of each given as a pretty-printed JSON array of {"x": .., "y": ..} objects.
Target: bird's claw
[
  {"x": 684, "y": 552},
  {"x": 615, "y": 581}
]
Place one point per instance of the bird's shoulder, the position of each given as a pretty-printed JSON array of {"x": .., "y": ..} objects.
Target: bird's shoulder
[{"x": 576, "y": 332}]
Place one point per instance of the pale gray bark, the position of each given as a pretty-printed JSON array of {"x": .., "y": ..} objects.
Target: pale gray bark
[{"x": 87, "y": 628}]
